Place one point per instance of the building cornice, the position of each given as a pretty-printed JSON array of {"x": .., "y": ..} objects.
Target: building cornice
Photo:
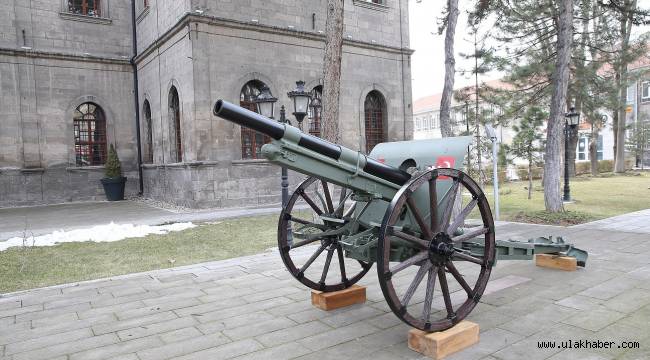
[
  {"x": 269, "y": 29},
  {"x": 56, "y": 55}
]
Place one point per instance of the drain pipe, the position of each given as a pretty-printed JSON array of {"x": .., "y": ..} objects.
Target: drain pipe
[{"x": 136, "y": 98}]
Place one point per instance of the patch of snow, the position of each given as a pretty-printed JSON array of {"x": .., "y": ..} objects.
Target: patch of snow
[{"x": 101, "y": 233}]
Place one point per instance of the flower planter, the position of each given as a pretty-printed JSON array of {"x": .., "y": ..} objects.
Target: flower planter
[{"x": 114, "y": 188}]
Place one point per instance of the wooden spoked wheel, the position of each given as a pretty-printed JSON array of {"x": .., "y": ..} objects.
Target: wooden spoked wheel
[
  {"x": 436, "y": 241},
  {"x": 309, "y": 232}
]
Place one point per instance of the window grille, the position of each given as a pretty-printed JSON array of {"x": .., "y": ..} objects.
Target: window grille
[
  {"x": 374, "y": 120},
  {"x": 175, "y": 124},
  {"x": 251, "y": 140},
  {"x": 148, "y": 133},
  {"x": 89, "y": 135},
  {"x": 85, "y": 7}
]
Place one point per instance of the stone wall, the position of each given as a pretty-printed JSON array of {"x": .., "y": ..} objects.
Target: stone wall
[
  {"x": 206, "y": 49},
  {"x": 169, "y": 65},
  {"x": 49, "y": 27},
  {"x": 218, "y": 184},
  {"x": 51, "y": 62},
  {"x": 39, "y": 96},
  {"x": 157, "y": 18},
  {"x": 364, "y": 20},
  {"x": 24, "y": 187},
  {"x": 226, "y": 55}
]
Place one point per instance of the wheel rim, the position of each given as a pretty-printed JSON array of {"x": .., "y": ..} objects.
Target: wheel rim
[
  {"x": 313, "y": 200},
  {"x": 438, "y": 253}
]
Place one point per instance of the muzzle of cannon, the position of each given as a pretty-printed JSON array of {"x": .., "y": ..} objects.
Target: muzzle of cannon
[{"x": 405, "y": 207}]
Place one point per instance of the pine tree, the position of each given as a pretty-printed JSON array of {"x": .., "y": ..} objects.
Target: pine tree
[
  {"x": 623, "y": 14},
  {"x": 528, "y": 141},
  {"x": 529, "y": 32},
  {"x": 483, "y": 62},
  {"x": 113, "y": 167}
]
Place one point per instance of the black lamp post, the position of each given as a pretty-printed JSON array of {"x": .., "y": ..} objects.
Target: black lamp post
[
  {"x": 266, "y": 106},
  {"x": 315, "y": 105},
  {"x": 301, "y": 99},
  {"x": 571, "y": 121}
]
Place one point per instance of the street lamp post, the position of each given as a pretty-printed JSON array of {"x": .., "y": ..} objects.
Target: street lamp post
[
  {"x": 301, "y": 99},
  {"x": 572, "y": 119},
  {"x": 285, "y": 174},
  {"x": 315, "y": 106},
  {"x": 266, "y": 106},
  {"x": 489, "y": 131}
]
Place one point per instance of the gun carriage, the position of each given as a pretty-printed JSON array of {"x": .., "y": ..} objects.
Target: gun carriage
[{"x": 395, "y": 208}]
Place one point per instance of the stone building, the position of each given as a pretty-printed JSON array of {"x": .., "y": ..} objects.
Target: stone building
[{"x": 67, "y": 82}]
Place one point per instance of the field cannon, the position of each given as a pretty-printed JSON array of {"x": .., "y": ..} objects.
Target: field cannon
[{"x": 394, "y": 207}]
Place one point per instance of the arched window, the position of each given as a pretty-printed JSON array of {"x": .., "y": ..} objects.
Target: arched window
[
  {"x": 175, "y": 125},
  {"x": 89, "y": 135},
  {"x": 251, "y": 140},
  {"x": 373, "y": 109},
  {"x": 315, "y": 110},
  {"x": 148, "y": 134},
  {"x": 85, "y": 7}
]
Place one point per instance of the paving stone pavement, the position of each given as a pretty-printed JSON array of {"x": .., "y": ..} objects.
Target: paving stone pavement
[
  {"x": 636, "y": 222},
  {"x": 250, "y": 308}
]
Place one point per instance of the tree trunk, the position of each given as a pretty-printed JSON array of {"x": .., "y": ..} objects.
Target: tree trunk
[
  {"x": 579, "y": 83},
  {"x": 593, "y": 150},
  {"x": 615, "y": 114},
  {"x": 481, "y": 178},
  {"x": 446, "y": 129},
  {"x": 553, "y": 158},
  {"x": 530, "y": 174},
  {"x": 332, "y": 70},
  {"x": 626, "y": 29},
  {"x": 619, "y": 155},
  {"x": 450, "y": 70}
]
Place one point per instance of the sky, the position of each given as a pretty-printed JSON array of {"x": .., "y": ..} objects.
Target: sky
[{"x": 428, "y": 61}]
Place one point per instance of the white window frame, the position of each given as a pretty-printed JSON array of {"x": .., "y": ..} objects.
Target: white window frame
[
  {"x": 631, "y": 94},
  {"x": 370, "y": 5},
  {"x": 105, "y": 17},
  {"x": 645, "y": 90}
]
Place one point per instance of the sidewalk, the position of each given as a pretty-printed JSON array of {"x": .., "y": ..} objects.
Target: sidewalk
[
  {"x": 250, "y": 308},
  {"x": 41, "y": 220},
  {"x": 635, "y": 222}
]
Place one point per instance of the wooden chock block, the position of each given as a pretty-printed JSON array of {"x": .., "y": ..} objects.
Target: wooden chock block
[
  {"x": 438, "y": 345},
  {"x": 355, "y": 294},
  {"x": 566, "y": 263}
]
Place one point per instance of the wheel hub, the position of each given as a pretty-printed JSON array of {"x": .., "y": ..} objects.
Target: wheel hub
[{"x": 441, "y": 248}]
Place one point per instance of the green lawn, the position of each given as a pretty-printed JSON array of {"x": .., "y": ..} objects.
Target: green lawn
[
  {"x": 25, "y": 268},
  {"x": 31, "y": 267},
  {"x": 594, "y": 198}
]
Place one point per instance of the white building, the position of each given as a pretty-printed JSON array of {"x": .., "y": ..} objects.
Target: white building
[{"x": 426, "y": 119}]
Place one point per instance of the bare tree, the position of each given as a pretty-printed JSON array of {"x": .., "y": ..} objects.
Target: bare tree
[
  {"x": 332, "y": 70},
  {"x": 449, "y": 26},
  {"x": 560, "y": 81},
  {"x": 627, "y": 12}
]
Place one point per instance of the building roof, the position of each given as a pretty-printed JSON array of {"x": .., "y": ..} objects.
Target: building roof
[
  {"x": 432, "y": 102},
  {"x": 427, "y": 103}
]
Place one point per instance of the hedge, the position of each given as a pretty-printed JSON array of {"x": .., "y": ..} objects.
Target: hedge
[
  {"x": 522, "y": 172},
  {"x": 604, "y": 166}
]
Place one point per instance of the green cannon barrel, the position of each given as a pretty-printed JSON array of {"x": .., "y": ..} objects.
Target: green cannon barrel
[{"x": 275, "y": 130}]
